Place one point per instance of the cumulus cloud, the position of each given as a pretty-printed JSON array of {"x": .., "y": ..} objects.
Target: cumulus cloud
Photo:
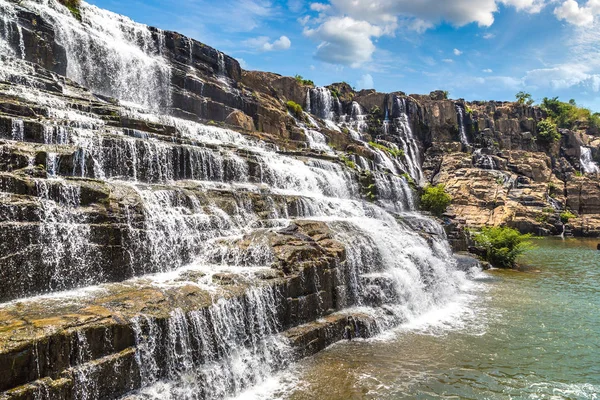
[
  {"x": 531, "y": 6},
  {"x": 347, "y": 29},
  {"x": 344, "y": 40},
  {"x": 563, "y": 76},
  {"x": 365, "y": 82},
  {"x": 263, "y": 43},
  {"x": 448, "y": 60},
  {"x": 573, "y": 14},
  {"x": 386, "y": 12},
  {"x": 487, "y": 71}
]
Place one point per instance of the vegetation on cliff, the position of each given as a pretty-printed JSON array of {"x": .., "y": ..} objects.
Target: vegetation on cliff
[
  {"x": 394, "y": 152},
  {"x": 300, "y": 79},
  {"x": 569, "y": 115},
  {"x": 295, "y": 108},
  {"x": 566, "y": 216},
  {"x": 548, "y": 131},
  {"x": 524, "y": 98},
  {"x": 435, "y": 199},
  {"x": 501, "y": 245},
  {"x": 73, "y": 6}
]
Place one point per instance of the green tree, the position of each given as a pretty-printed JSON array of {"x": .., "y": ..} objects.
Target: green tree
[
  {"x": 569, "y": 115},
  {"x": 547, "y": 131},
  {"x": 524, "y": 98},
  {"x": 502, "y": 245},
  {"x": 435, "y": 199}
]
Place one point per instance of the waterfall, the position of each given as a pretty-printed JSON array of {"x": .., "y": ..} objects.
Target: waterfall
[
  {"x": 213, "y": 354},
  {"x": 131, "y": 197},
  {"x": 588, "y": 165},
  {"x": 321, "y": 102},
  {"x": 483, "y": 161},
  {"x": 316, "y": 140},
  {"x": 107, "y": 53},
  {"x": 404, "y": 133},
  {"x": 461, "y": 124}
]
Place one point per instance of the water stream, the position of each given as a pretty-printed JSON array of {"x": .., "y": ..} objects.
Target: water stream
[
  {"x": 187, "y": 192},
  {"x": 525, "y": 335}
]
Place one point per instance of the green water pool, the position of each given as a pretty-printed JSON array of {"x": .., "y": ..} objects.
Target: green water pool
[{"x": 529, "y": 335}]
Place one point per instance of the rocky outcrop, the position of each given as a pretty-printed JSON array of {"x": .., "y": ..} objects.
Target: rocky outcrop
[{"x": 138, "y": 237}]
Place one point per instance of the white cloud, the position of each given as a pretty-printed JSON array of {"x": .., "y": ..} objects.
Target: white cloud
[
  {"x": 304, "y": 20},
  {"x": 365, "y": 82},
  {"x": 508, "y": 82},
  {"x": 563, "y": 76},
  {"x": 319, "y": 7},
  {"x": 420, "y": 26},
  {"x": 488, "y": 36},
  {"x": 448, "y": 60},
  {"x": 387, "y": 12},
  {"x": 573, "y": 14},
  {"x": 243, "y": 63},
  {"x": 487, "y": 71},
  {"x": 530, "y": 6},
  {"x": 343, "y": 40},
  {"x": 262, "y": 43},
  {"x": 347, "y": 29}
]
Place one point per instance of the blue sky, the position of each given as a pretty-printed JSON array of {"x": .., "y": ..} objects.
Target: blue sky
[{"x": 476, "y": 49}]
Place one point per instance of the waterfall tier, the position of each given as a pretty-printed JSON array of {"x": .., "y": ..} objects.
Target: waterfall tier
[{"x": 147, "y": 253}]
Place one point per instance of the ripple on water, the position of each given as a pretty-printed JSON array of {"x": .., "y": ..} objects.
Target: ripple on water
[{"x": 519, "y": 335}]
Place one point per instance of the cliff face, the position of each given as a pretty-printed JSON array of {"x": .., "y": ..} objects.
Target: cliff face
[
  {"x": 488, "y": 154},
  {"x": 168, "y": 217},
  {"x": 176, "y": 193}
]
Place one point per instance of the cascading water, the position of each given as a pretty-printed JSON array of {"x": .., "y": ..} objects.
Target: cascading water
[
  {"x": 404, "y": 133},
  {"x": 191, "y": 188},
  {"x": 587, "y": 163},
  {"x": 212, "y": 354},
  {"x": 321, "y": 102},
  {"x": 483, "y": 161},
  {"x": 462, "y": 129}
]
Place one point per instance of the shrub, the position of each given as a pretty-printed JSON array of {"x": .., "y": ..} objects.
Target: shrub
[
  {"x": 73, "y": 6},
  {"x": 565, "y": 216},
  {"x": 294, "y": 108},
  {"x": 524, "y": 98},
  {"x": 303, "y": 81},
  {"x": 567, "y": 115},
  {"x": 547, "y": 131},
  {"x": 542, "y": 218},
  {"x": 501, "y": 245},
  {"x": 435, "y": 199},
  {"x": 389, "y": 150},
  {"x": 349, "y": 163}
]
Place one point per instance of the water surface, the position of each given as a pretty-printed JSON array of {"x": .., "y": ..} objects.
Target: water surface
[{"x": 531, "y": 335}]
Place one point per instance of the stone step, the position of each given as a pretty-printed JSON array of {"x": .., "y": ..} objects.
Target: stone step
[{"x": 53, "y": 337}]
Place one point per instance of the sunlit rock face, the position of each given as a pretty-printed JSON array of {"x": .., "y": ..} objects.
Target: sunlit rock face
[{"x": 171, "y": 230}]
